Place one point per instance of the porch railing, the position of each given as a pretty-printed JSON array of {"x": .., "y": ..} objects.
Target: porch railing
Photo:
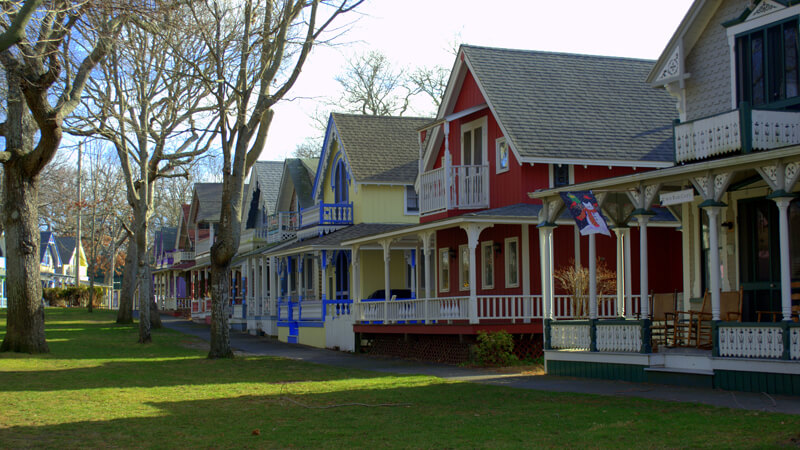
[
  {"x": 758, "y": 340},
  {"x": 327, "y": 214},
  {"x": 742, "y": 130},
  {"x": 628, "y": 336},
  {"x": 280, "y": 226},
  {"x": 454, "y": 187},
  {"x": 310, "y": 310}
]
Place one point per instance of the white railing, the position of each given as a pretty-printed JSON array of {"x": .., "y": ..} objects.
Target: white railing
[
  {"x": 565, "y": 308},
  {"x": 279, "y": 227},
  {"x": 751, "y": 341},
  {"x": 184, "y": 303},
  {"x": 571, "y": 336},
  {"x": 430, "y": 309},
  {"x": 794, "y": 343},
  {"x": 310, "y": 310},
  {"x": 708, "y": 137},
  {"x": 266, "y": 308},
  {"x": 511, "y": 307},
  {"x": 774, "y": 129},
  {"x": 619, "y": 337},
  {"x": 451, "y": 187}
]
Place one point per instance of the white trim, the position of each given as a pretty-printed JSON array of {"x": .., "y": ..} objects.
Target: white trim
[
  {"x": 406, "y": 212},
  {"x": 465, "y": 112},
  {"x": 552, "y": 177},
  {"x": 463, "y": 250},
  {"x": 440, "y": 278},
  {"x": 484, "y": 261},
  {"x": 497, "y": 143},
  {"x": 506, "y": 252},
  {"x": 763, "y": 20},
  {"x": 598, "y": 162},
  {"x": 470, "y": 127}
]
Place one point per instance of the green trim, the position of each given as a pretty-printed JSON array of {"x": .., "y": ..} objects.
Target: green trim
[
  {"x": 711, "y": 203},
  {"x": 603, "y": 371},
  {"x": 592, "y": 335},
  {"x": 642, "y": 212},
  {"x": 547, "y": 323},
  {"x": 771, "y": 383},
  {"x": 546, "y": 224},
  {"x": 780, "y": 193},
  {"x": 741, "y": 18},
  {"x": 647, "y": 336}
]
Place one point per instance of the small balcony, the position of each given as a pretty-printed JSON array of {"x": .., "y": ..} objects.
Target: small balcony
[
  {"x": 739, "y": 131},
  {"x": 454, "y": 187},
  {"x": 323, "y": 218},
  {"x": 280, "y": 227}
]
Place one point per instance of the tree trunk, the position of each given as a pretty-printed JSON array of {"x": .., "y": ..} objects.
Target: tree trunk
[
  {"x": 25, "y": 319},
  {"x": 220, "y": 330},
  {"x": 125, "y": 312},
  {"x": 145, "y": 281}
]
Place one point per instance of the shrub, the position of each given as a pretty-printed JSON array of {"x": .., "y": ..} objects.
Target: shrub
[
  {"x": 495, "y": 349},
  {"x": 72, "y": 296}
]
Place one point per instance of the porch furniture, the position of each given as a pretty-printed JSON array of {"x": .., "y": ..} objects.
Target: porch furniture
[
  {"x": 684, "y": 324},
  {"x": 663, "y": 325},
  {"x": 730, "y": 310}
]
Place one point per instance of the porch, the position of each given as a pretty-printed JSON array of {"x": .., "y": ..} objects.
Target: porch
[
  {"x": 454, "y": 187},
  {"x": 324, "y": 218}
]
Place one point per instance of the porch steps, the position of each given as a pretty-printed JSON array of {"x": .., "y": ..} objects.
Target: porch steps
[
  {"x": 682, "y": 370},
  {"x": 294, "y": 332}
]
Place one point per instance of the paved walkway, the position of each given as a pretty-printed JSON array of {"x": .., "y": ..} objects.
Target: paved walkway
[{"x": 272, "y": 347}]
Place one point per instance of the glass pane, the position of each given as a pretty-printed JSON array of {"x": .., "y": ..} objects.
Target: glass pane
[
  {"x": 503, "y": 155},
  {"x": 513, "y": 273},
  {"x": 762, "y": 245},
  {"x": 477, "y": 157},
  {"x": 790, "y": 49},
  {"x": 488, "y": 265},
  {"x": 444, "y": 270},
  {"x": 775, "y": 63},
  {"x": 465, "y": 267},
  {"x": 467, "y": 148},
  {"x": 757, "y": 68}
]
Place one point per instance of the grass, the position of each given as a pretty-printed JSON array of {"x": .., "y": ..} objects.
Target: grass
[{"x": 99, "y": 388}]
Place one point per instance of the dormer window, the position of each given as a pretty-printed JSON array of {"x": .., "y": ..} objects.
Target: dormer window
[{"x": 767, "y": 64}]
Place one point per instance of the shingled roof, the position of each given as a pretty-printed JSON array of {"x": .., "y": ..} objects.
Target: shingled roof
[
  {"x": 380, "y": 149},
  {"x": 570, "y": 106},
  {"x": 268, "y": 177},
  {"x": 209, "y": 200}
]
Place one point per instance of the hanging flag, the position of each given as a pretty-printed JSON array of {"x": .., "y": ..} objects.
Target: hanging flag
[{"x": 584, "y": 209}]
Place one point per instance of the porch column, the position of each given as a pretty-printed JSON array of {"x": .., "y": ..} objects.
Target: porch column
[
  {"x": 426, "y": 250},
  {"x": 626, "y": 237},
  {"x": 413, "y": 262},
  {"x": 786, "y": 274},
  {"x": 387, "y": 257},
  {"x": 473, "y": 234},
  {"x": 324, "y": 265},
  {"x": 620, "y": 250},
  {"x": 300, "y": 268},
  {"x": 644, "y": 289},
  {"x": 274, "y": 285},
  {"x": 526, "y": 272},
  {"x": 546, "y": 253},
  {"x": 592, "y": 278},
  {"x": 355, "y": 274},
  {"x": 714, "y": 274}
]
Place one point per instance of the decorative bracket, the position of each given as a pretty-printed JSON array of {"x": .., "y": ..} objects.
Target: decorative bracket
[{"x": 712, "y": 186}]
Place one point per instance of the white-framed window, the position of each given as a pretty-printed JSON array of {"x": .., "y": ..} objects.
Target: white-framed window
[
  {"x": 411, "y": 201},
  {"x": 463, "y": 267},
  {"x": 512, "y": 262},
  {"x": 444, "y": 269},
  {"x": 502, "y": 155},
  {"x": 561, "y": 175},
  {"x": 487, "y": 265},
  {"x": 473, "y": 143}
]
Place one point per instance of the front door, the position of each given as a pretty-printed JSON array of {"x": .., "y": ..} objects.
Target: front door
[{"x": 760, "y": 255}]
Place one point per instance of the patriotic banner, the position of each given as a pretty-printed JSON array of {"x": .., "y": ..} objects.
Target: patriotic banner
[{"x": 584, "y": 209}]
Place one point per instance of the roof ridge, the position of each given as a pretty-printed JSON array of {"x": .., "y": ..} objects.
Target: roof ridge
[
  {"x": 374, "y": 116},
  {"x": 556, "y": 53}
]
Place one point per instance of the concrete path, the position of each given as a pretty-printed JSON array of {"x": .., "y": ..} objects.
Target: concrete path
[{"x": 272, "y": 347}]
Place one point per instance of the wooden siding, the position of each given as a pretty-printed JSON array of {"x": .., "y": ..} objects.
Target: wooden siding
[{"x": 380, "y": 204}]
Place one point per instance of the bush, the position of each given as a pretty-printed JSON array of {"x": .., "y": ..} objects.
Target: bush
[
  {"x": 495, "y": 349},
  {"x": 72, "y": 296}
]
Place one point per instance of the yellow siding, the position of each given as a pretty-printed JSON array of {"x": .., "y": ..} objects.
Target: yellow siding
[
  {"x": 327, "y": 192},
  {"x": 372, "y": 271},
  {"x": 311, "y": 336},
  {"x": 380, "y": 204},
  {"x": 283, "y": 334}
]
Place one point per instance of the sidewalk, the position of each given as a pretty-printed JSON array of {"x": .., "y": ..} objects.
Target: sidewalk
[{"x": 272, "y": 347}]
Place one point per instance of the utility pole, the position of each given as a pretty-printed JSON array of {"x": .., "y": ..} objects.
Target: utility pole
[{"x": 78, "y": 233}]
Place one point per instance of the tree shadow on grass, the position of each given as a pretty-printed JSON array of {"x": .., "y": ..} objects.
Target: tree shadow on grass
[{"x": 438, "y": 415}]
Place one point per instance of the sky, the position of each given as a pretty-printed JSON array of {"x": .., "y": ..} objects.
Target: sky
[{"x": 413, "y": 33}]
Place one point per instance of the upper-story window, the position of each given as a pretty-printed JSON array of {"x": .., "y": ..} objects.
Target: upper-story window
[
  {"x": 340, "y": 183},
  {"x": 767, "y": 64},
  {"x": 411, "y": 200},
  {"x": 501, "y": 152},
  {"x": 560, "y": 175},
  {"x": 473, "y": 143}
]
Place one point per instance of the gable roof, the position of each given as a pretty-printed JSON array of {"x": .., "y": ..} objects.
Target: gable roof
[
  {"x": 574, "y": 107},
  {"x": 267, "y": 178},
  {"x": 208, "y": 200},
  {"x": 167, "y": 237},
  {"x": 44, "y": 240},
  {"x": 65, "y": 246},
  {"x": 302, "y": 179}
]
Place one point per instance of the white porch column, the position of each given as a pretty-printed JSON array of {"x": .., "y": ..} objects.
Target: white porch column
[
  {"x": 626, "y": 241},
  {"x": 426, "y": 250},
  {"x": 620, "y": 250},
  {"x": 300, "y": 263},
  {"x": 324, "y": 271},
  {"x": 355, "y": 274},
  {"x": 387, "y": 286},
  {"x": 786, "y": 274},
  {"x": 544, "y": 268},
  {"x": 526, "y": 272},
  {"x": 273, "y": 285},
  {"x": 644, "y": 288},
  {"x": 473, "y": 236},
  {"x": 714, "y": 274},
  {"x": 592, "y": 278}
]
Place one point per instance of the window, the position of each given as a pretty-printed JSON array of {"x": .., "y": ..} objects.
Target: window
[
  {"x": 767, "y": 64},
  {"x": 501, "y": 153},
  {"x": 473, "y": 143},
  {"x": 308, "y": 273},
  {"x": 560, "y": 175},
  {"x": 487, "y": 265},
  {"x": 444, "y": 269},
  {"x": 412, "y": 201},
  {"x": 340, "y": 192},
  {"x": 512, "y": 262},
  {"x": 463, "y": 267}
]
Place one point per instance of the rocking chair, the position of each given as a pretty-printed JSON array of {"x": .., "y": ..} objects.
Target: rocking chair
[{"x": 663, "y": 326}]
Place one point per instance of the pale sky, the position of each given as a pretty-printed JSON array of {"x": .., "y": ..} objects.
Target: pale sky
[{"x": 415, "y": 33}]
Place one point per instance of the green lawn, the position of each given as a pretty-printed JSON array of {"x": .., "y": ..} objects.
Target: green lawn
[{"x": 99, "y": 388}]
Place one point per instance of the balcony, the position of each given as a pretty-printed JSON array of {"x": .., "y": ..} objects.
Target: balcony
[
  {"x": 323, "y": 218},
  {"x": 738, "y": 131},
  {"x": 280, "y": 227},
  {"x": 454, "y": 187}
]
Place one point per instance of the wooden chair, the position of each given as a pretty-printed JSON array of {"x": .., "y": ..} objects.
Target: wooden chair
[
  {"x": 663, "y": 325},
  {"x": 730, "y": 310},
  {"x": 777, "y": 316},
  {"x": 683, "y": 328}
]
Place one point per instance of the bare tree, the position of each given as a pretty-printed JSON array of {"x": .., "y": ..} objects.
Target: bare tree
[
  {"x": 149, "y": 108},
  {"x": 259, "y": 47},
  {"x": 45, "y": 76},
  {"x": 15, "y": 31},
  {"x": 431, "y": 81},
  {"x": 373, "y": 86}
]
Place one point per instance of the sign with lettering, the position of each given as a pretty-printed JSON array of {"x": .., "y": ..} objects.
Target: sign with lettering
[{"x": 677, "y": 197}]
